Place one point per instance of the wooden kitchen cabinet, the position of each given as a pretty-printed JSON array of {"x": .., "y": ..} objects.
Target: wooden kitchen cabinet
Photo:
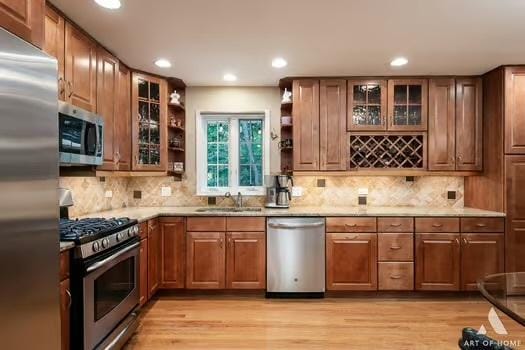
[
  {"x": 24, "y": 18},
  {"x": 143, "y": 257},
  {"x": 65, "y": 300},
  {"x": 154, "y": 256},
  {"x": 305, "y": 116},
  {"x": 482, "y": 254},
  {"x": 54, "y": 42},
  {"x": 514, "y": 110},
  {"x": 173, "y": 232},
  {"x": 205, "y": 260},
  {"x": 351, "y": 261},
  {"x": 367, "y": 105},
  {"x": 515, "y": 220},
  {"x": 107, "y": 103},
  {"x": 122, "y": 131},
  {"x": 149, "y": 123},
  {"x": 80, "y": 69},
  {"x": 442, "y": 125},
  {"x": 246, "y": 260},
  {"x": 332, "y": 125},
  {"x": 407, "y": 104},
  {"x": 469, "y": 124},
  {"x": 437, "y": 261}
]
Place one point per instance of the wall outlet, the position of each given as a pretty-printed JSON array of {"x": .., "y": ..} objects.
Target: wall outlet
[
  {"x": 362, "y": 191},
  {"x": 165, "y": 191},
  {"x": 297, "y": 191},
  {"x": 108, "y": 194}
]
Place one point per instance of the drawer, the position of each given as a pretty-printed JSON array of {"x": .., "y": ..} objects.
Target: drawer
[
  {"x": 64, "y": 265},
  {"x": 351, "y": 224},
  {"x": 437, "y": 224},
  {"x": 396, "y": 276},
  {"x": 395, "y": 224},
  {"x": 246, "y": 224},
  {"x": 482, "y": 225},
  {"x": 143, "y": 229},
  {"x": 395, "y": 247},
  {"x": 207, "y": 223}
]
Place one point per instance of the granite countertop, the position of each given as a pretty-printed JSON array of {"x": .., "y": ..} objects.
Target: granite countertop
[
  {"x": 145, "y": 213},
  {"x": 65, "y": 245}
]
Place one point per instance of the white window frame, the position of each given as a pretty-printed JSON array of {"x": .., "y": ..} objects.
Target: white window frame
[{"x": 202, "y": 160}]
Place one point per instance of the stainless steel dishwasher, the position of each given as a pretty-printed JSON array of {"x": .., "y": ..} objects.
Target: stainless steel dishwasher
[{"x": 295, "y": 262}]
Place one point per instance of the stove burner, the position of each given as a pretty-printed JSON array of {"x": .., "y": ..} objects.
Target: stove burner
[{"x": 83, "y": 228}]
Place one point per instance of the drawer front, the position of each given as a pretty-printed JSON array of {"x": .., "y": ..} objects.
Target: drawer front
[
  {"x": 437, "y": 225},
  {"x": 143, "y": 229},
  {"x": 395, "y": 224},
  {"x": 206, "y": 224},
  {"x": 482, "y": 225},
  {"x": 246, "y": 224},
  {"x": 64, "y": 265},
  {"x": 396, "y": 247},
  {"x": 396, "y": 276},
  {"x": 351, "y": 225}
]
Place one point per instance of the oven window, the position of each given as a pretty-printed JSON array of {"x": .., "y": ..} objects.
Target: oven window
[{"x": 113, "y": 286}]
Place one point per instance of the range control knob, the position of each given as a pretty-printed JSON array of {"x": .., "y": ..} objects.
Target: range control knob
[
  {"x": 105, "y": 243},
  {"x": 96, "y": 247},
  {"x": 120, "y": 235},
  {"x": 130, "y": 232},
  {"x": 135, "y": 230}
]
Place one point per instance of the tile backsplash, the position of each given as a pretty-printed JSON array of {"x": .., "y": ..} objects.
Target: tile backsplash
[{"x": 427, "y": 191}]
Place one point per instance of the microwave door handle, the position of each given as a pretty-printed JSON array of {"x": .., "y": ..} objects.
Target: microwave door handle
[
  {"x": 111, "y": 258},
  {"x": 99, "y": 140}
]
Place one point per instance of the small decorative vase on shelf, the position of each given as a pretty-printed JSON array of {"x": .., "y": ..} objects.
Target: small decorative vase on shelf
[
  {"x": 175, "y": 98},
  {"x": 287, "y": 96}
]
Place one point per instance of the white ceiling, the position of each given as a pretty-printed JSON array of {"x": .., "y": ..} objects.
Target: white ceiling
[{"x": 206, "y": 38}]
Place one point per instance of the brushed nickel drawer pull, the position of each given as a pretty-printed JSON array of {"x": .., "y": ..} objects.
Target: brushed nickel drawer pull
[
  {"x": 481, "y": 225},
  {"x": 395, "y": 225},
  {"x": 351, "y": 237},
  {"x": 395, "y": 247},
  {"x": 437, "y": 225},
  {"x": 350, "y": 225},
  {"x": 465, "y": 240},
  {"x": 395, "y": 277},
  {"x": 457, "y": 241}
]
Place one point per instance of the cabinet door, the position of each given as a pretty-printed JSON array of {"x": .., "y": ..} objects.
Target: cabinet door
[
  {"x": 54, "y": 41},
  {"x": 107, "y": 102},
  {"x": 437, "y": 261},
  {"x": 469, "y": 142},
  {"x": 367, "y": 105},
  {"x": 332, "y": 130},
  {"x": 154, "y": 257},
  {"x": 515, "y": 110},
  {"x": 442, "y": 125},
  {"x": 173, "y": 252},
  {"x": 205, "y": 260},
  {"x": 351, "y": 261},
  {"x": 246, "y": 260},
  {"x": 65, "y": 314},
  {"x": 149, "y": 123},
  {"x": 122, "y": 132},
  {"x": 306, "y": 124},
  {"x": 482, "y": 254},
  {"x": 407, "y": 104},
  {"x": 143, "y": 271},
  {"x": 24, "y": 18},
  {"x": 515, "y": 221},
  {"x": 80, "y": 72}
]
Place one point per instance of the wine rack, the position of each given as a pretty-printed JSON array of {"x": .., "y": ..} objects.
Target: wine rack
[{"x": 388, "y": 151}]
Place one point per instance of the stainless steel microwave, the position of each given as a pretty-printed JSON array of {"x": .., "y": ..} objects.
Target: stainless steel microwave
[{"x": 81, "y": 136}]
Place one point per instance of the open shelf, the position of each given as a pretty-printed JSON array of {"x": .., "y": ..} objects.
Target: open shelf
[
  {"x": 176, "y": 128},
  {"x": 176, "y": 106},
  {"x": 176, "y": 149},
  {"x": 176, "y": 115}
]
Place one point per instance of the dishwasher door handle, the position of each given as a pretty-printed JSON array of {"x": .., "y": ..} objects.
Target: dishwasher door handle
[{"x": 296, "y": 226}]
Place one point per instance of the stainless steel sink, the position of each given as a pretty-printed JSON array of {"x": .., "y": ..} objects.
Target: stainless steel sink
[{"x": 227, "y": 209}]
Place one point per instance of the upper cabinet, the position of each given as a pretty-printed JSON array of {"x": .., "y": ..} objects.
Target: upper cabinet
[
  {"x": 122, "y": 131},
  {"x": 515, "y": 110},
  {"x": 367, "y": 105},
  {"x": 306, "y": 124},
  {"x": 469, "y": 124},
  {"x": 80, "y": 69},
  {"x": 407, "y": 104},
  {"x": 54, "y": 27},
  {"x": 149, "y": 124},
  {"x": 24, "y": 18}
]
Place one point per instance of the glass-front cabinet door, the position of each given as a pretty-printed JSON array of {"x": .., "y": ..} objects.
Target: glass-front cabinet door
[
  {"x": 367, "y": 105},
  {"x": 149, "y": 123},
  {"x": 407, "y": 104}
]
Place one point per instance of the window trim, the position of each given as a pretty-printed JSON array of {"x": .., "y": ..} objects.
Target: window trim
[{"x": 201, "y": 138}]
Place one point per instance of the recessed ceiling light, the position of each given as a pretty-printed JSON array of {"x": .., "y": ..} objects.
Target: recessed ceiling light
[
  {"x": 279, "y": 62},
  {"x": 229, "y": 77},
  {"x": 398, "y": 62},
  {"x": 109, "y": 4},
  {"x": 162, "y": 63}
]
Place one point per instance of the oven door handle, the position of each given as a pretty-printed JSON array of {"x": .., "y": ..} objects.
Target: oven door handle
[{"x": 109, "y": 259}]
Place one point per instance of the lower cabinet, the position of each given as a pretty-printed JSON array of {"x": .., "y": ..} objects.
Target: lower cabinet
[
  {"x": 154, "y": 256},
  {"x": 246, "y": 260},
  {"x": 65, "y": 301},
  {"x": 438, "y": 261},
  {"x": 395, "y": 275},
  {"x": 205, "y": 262},
  {"x": 351, "y": 261},
  {"x": 482, "y": 254},
  {"x": 173, "y": 236}
]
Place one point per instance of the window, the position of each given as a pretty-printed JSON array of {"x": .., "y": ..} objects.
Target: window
[{"x": 232, "y": 152}]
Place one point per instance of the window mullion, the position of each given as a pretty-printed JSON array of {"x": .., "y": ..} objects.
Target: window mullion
[{"x": 234, "y": 155}]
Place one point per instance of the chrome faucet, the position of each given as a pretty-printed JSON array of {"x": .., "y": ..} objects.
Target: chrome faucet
[{"x": 238, "y": 201}]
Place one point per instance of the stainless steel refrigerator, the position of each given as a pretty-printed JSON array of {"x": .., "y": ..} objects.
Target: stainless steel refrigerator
[{"x": 29, "y": 239}]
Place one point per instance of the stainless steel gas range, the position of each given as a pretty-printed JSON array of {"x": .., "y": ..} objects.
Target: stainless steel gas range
[{"x": 105, "y": 281}]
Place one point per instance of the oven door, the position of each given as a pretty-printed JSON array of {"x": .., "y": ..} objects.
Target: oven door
[{"x": 111, "y": 291}]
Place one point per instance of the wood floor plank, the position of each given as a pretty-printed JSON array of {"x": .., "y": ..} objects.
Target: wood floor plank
[{"x": 223, "y": 322}]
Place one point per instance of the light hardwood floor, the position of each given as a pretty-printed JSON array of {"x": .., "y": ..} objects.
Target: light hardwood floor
[{"x": 222, "y": 322}]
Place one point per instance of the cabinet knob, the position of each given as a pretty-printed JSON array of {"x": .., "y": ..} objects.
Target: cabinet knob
[
  {"x": 465, "y": 240},
  {"x": 457, "y": 241}
]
